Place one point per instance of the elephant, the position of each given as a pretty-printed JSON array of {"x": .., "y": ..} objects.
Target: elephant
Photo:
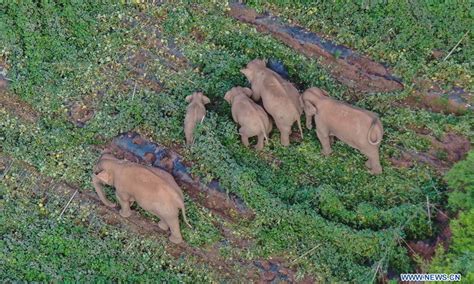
[
  {"x": 280, "y": 98},
  {"x": 195, "y": 113},
  {"x": 251, "y": 117},
  {"x": 153, "y": 189},
  {"x": 360, "y": 128}
]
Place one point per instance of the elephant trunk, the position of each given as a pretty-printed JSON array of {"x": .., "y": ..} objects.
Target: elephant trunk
[{"x": 99, "y": 167}]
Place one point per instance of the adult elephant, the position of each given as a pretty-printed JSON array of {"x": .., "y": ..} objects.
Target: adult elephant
[{"x": 280, "y": 98}]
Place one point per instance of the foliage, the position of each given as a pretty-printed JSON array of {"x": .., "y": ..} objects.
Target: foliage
[
  {"x": 69, "y": 52},
  {"x": 460, "y": 257},
  {"x": 37, "y": 245},
  {"x": 402, "y": 34},
  {"x": 461, "y": 179}
]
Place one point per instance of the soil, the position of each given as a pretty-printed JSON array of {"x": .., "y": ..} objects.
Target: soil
[
  {"x": 273, "y": 270},
  {"x": 351, "y": 69},
  {"x": 80, "y": 112},
  {"x": 211, "y": 196},
  {"x": 3, "y": 83},
  {"x": 355, "y": 70},
  {"x": 12, "y": 103},
  {"x": 442, "y": 155},
  {"x": 17, "y": 107},
  {"x": 4, "y": 66},
  {"x": 137, "y": 65},
  {"x": 428, "y": 95},
  {"x": 426, "y": 248},
  {"x": 404, "y": 161}
]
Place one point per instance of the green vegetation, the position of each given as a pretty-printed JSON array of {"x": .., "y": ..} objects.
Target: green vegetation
[
  {"x": 36, "y": 245},
  {"x": 460, "y": 256},
  {"x": 97, "y": 53},
  {"x": 405, "y": 34}
]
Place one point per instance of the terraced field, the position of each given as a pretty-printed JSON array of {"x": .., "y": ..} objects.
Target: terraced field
[{"x": 75, "y": 76}]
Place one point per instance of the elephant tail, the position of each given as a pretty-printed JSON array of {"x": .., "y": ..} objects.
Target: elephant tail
[
  {"x": 264, "y": 129},
  {"x": 261, "y": 117},
  {"x": 184, "y": 216},
  {"x": 100, "y": 192},
  {"x": 374, "y": 126},
  {"x": 298, "y": 120}
]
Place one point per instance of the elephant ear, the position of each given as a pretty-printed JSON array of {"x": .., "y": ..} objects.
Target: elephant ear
[
  {"x": 247, "y": 72},
  {"x": 205, "y": 99},
  {"x": 247, "y": 91},
  {"x": 301, "y": 101},
  {"x": 228, "y": 97},
  {"x": 189, "y": 98},
  {"x": 260, "y": 63},
  {"x": 310, "y": 107},
  {"x": 105, "y": 177}
]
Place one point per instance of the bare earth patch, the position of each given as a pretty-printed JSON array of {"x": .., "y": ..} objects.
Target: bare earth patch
[
  {"x": 442, "y": 155},
  {"x": 429, "y": 95},
  {"x": 80, "y": 112},
  {"x": 349, "y": 68},
  {"x": 18, "y": 107},
  {"x": 133, "y": 147},
  {"x": 261, "y": 271}
]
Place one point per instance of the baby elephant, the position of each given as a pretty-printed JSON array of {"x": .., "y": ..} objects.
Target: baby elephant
[
  {"x": 253, "y": 120},
  {"x": 153, "y": 189},
  {"x": 194, "y": 113},
  {"x": 357, "y": 127}
]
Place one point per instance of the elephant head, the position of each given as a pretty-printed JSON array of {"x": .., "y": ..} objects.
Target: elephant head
[
  {"x": 229, "y": 96},
  {"x": 311, "y": 99},
  {"x": 198, "y": 97},
  {"x": 252, "y": 67},
  {"x": 104, "y": 169}
]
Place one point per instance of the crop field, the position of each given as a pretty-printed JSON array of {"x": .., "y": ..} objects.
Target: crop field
[{"x": 76, "y": 74}]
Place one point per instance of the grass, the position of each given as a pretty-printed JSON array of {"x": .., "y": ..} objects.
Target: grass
[
  {"x": 65, "y": 53},
  {"x": 37, "y": 245},
  {"x": 460, "y": 256},
  {"x": 403, "y": 35}
]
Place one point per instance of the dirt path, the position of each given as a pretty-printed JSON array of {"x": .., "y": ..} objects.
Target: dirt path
[
  {"x": 235, "y": 267},
  {"x": 348, "y": 67},
  {"x": 134, "y": 148},
  {"x": 355, "y": 70}
]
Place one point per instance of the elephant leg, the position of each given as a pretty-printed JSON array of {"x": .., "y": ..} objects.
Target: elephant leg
[
  {"x": 244, "y": 136},
  {"x": 173, "y": 222},
  {"x": 373, "y": 163},
  {"x": 285, "y": 131},
  {"x": 285, "y": 135},
  {"x": 368, "y": 164},
  {"x": 162, "y": 224},
  {"x": 245, "y": 140},
  {"x": 269, "y": 129},
  {"x": 188, "y": 132},
  {"x": 309, "y": 121},
  {"x": 124, "y": 206},
  {"x": 325, "y": 142},
  {"x": 260, "y": 142}
]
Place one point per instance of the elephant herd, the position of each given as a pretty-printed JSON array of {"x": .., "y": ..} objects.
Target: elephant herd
[
  {"x": 156, "y": 191},
  {"x": 359, "y": 128}
]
